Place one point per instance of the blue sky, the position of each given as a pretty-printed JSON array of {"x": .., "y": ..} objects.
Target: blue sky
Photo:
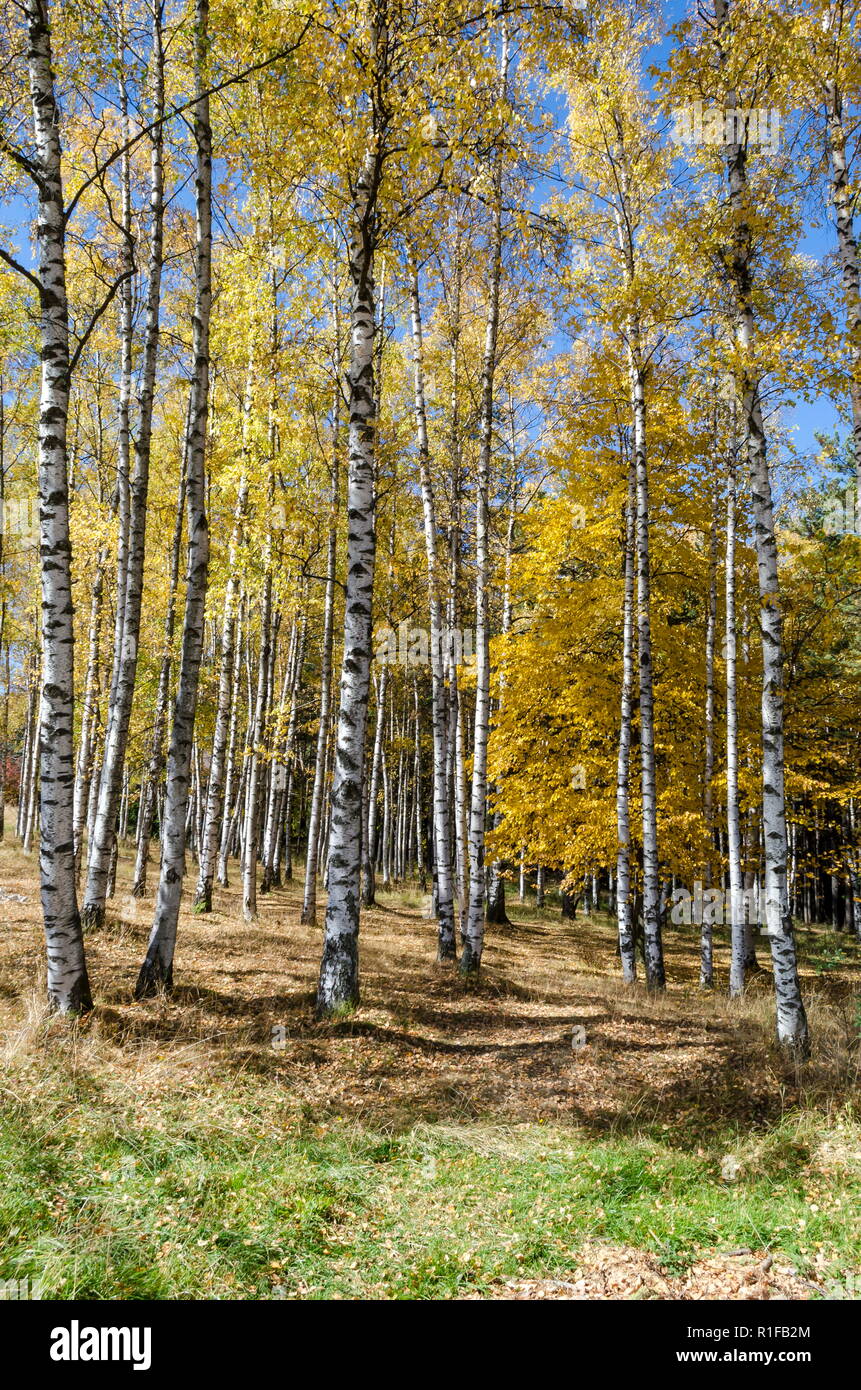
[{"x": 806, "y": 419}]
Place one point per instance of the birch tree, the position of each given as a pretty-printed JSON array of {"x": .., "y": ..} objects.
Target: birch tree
[
  {"x": 473, "y": 931},
  {"x": 157, "y": 969},
  {"x": 309, "y": 900},
  {"x": 446, "y": 949},
  {"x": 792, "y": 1030},
  {"x": 68, "y": 984},
  {"x": 624, "y": 903},
  {"x": 130, "y": 578},
  {"x": 338, "y": 986}
]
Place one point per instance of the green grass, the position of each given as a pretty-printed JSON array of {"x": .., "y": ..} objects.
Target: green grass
[{"x": 213, "y": 1195}]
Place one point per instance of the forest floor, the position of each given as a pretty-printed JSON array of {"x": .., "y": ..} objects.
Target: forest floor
[{"x": 447, "y": 1140}]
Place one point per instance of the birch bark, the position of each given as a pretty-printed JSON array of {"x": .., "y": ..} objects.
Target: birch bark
[
  {"x": 214, "y": 796},
  {"x": 309, "y": 899},
  {"x": 68, "y": 985},
  {"x": 627, "y": 945},
  {"x": 792, "y": 1029},
  {"x": 377, "y": 771},
  {"x": 473, "y": 932},
  {"x": 157, "y": 969},
  {"x": 252, "y": 810},
  {"x": 652, "y": 944},
  {"x": 706, "y": 934},
  {"x": 84, "y": 765},
  {"x": 131, "y": 582},
  {"x": 155, "y": 766},
  {"x": 446, "y": 949},
  {"x": 847, "y": 245},
  {"x": 738, "y": 934},
  {"x": 338, "y": 986}
]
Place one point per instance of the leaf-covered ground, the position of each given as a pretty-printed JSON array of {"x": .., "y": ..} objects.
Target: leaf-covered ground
[{"x": 444, "y": 1141}]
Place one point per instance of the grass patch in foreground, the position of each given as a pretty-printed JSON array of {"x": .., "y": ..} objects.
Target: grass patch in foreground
[{"x": 212, "y": 1195}]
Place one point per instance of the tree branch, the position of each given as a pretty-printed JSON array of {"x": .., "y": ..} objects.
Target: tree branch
[
  {"x": 22, "y": 270},
  {"x": 82, "y": 342},
  {"x": 178, "y": 111}
]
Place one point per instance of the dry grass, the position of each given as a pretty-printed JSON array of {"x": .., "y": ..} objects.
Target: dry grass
[
  {"x": 423, "y": 1045},
  {"x": 445, "y": 1140}
]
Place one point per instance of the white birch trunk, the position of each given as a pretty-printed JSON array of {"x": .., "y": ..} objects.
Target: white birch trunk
[
  {"x": 68, "y": 985},
  {"x": 792, "y": 1030},
  {"x": 157, "y": 969},
  {"x": 212, "y": 821},
  {"x": 706, "y": 934},
  {"x": 377, "y": 771},
  {"x": 309, "y": 899},
  {"x": 230, "y": 761},
  {"x": 280, "y": 815},
  {"x": 131, "y": 582},
  {"x": 84, "y": 765},
  {"x": 338, "y": 986},
  {"x": 738, "y": 934},
  {"x": 847, "y": 244},
  {"x": 446, "y": 949},
  {"x": 155, "y": 766},
  {"x": 651, "y": 879},
  {"x": 252, "y": 809},
  {"x": 627, "y": 951},
  {"x": 473, "y": 934}
]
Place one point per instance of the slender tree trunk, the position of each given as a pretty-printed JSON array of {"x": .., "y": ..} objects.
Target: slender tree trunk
[
  {"x": 279, "y": 779},
  {"x": 737, "y": 956},
  {"x": 627, "y": 948},
  {"x": 230, "y": 762},
  {"x": 284, "y": 814},
  {"x": 446, "y": 949},
  {"x": 155, "y": 767},
  {"x": 124, "y": 806},
  {"x": 455, "y": 711},
  {"x": 792, "y": 1030},
  {"x": 473, "y": 936},
  {"x": 652, "y": 944},
  {"x": 706, "y": 934},
  {"x": 496, "y": 912},
  {"x": 157, "y": 969},
  {"x": 377, "y": 770},
  {"x": 339, "y": 969},
  {"x": 68, "y": 985},
  {"x": 847, "y": 244},
  {"x": 4, "y": 731},
  {"x": 252, "y": 816},
  {"x": 212, "y": 822},
  {"x": 28, "y": 798},
  {"x": 309, "y": 900},
  {"x": 123, "y": 684},
  {"x": 854, "y": 865},
  {"x": 84, "y": 766},
  {"x": 4, "y": 646},
  {"x": 386, "y": 845},
  {"x": 651, "y": 881},
  {"x": 27, "y": 753},
  {"x": 122, "y": 494},
  {"x": 33, "y": 806}
]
